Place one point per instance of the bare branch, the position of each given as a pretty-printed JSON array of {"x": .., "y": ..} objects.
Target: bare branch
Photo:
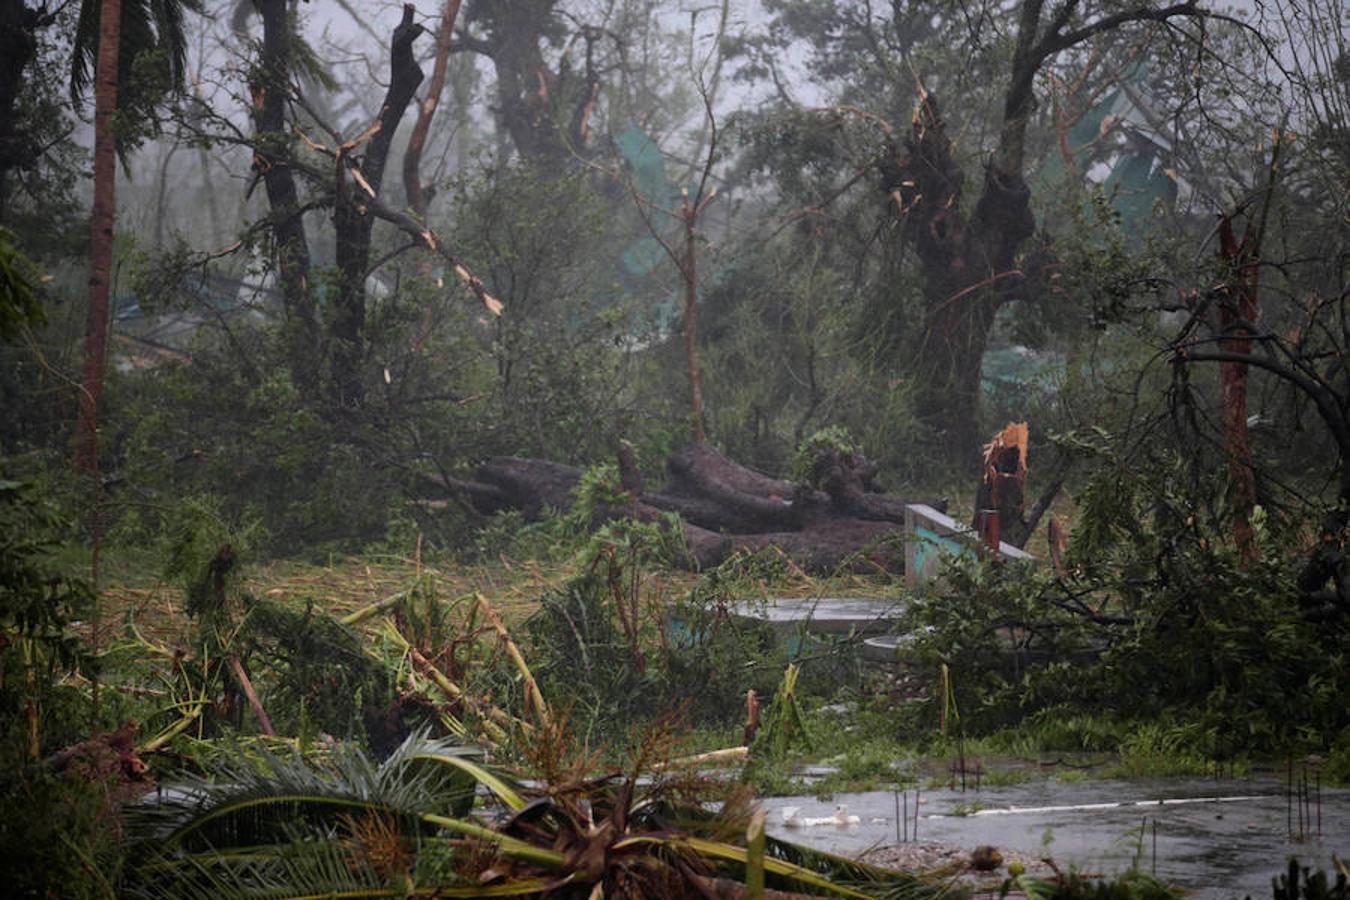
[{"x": 1054, "y": 41}]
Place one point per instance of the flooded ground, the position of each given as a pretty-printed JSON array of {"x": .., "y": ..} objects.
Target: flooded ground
[{"x": 1218, "y": 839}]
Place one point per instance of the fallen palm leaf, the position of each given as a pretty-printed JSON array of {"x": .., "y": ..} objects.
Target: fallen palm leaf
[
  {"x": 728, "y": 754},
  {"x": 532, "y": 692}
]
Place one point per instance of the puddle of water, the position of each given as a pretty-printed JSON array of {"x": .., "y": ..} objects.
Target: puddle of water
[{"x": 1219, "y": 839}]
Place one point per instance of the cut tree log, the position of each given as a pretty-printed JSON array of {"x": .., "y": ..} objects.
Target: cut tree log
[{"x": 723, "y": 507}]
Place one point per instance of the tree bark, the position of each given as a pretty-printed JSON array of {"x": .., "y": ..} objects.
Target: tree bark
[
  {"x": 525, "y": 84},
  {"x": 271, "y": 161},
  {"x": 354, "y": 222},
  {"x": 533, "y": 101},
  {"x": 1237, "y": 314},
  {"x": 101, "y": 238},
  {"x": 426, "y": 110},
  {"x": 743, "y": 499},
  {"x": 968, "y": 267},
  {"x": 969, "y": 262},
  {"x": 723, "y": 506}
]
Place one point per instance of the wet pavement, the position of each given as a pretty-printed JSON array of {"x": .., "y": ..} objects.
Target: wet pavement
[{"x": 1217, "y": 839}]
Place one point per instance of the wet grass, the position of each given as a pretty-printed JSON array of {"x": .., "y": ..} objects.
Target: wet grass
[
  {"x": 866, "y": 742},
  {"x": 858, "y": 748},
  {"x": 132, "y": 584}
]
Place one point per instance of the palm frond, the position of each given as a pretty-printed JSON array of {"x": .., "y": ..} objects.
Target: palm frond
[
  {"x": 254, "y": 796},
  {"x": 493, "y": 782},
  {"x": 296, "y": 868},
  {"x": 272, "y": 823},
  {"x": 773, "y": 866},
  {"x": 148, "y": 26}
]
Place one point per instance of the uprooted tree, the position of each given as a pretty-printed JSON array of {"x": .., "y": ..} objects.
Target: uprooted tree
[{"x": 841, "y": 519}]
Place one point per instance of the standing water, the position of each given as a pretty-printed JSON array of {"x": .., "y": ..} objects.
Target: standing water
[{"x": 1217, "y": 839}]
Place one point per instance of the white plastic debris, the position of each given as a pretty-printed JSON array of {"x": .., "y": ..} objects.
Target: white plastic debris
[{"x": 840, "y": 819}]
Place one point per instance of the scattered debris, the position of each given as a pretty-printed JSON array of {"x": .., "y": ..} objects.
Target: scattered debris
[
  {"x": 108, "y": 760},
  {"x": 985, "y": 858},
  {"x": 957, "y": 861},
  {"x": 840, "y": 819}
]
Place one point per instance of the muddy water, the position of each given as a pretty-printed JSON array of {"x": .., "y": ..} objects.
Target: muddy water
[{"x": 1218, "y": 839}]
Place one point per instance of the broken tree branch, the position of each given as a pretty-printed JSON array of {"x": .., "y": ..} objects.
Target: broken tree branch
[
  {"x": 263, "y": 721},
  {"x": 426, "y": 110}
]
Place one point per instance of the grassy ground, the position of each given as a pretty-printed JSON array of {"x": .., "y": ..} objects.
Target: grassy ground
[
  {"x": 340, "y": 586},
  {"x": 862, "y": 743},
  {"x": 131, "y": 585}
]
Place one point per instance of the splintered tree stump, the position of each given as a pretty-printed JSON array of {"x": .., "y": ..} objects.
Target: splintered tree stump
[
  {"x": 723, "y": 506},
  {"x": 1000, "y": 498}
]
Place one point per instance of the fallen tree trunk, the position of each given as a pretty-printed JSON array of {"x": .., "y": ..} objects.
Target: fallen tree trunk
[
  {"x": 710, "y": 490},
  {"x": 723, "y": 507},
  {"x": 530, "y": 485}
]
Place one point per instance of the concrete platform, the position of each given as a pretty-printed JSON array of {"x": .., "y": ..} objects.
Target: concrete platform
[
  {"x": 929, "y": 534},
  {"x": 888, "y": 648},
  {"x": 823, "y": 615}
]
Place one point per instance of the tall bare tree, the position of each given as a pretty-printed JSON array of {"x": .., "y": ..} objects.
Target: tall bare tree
[
  {"x": 101, "y": 239},
  {"x": 121, "y": 33},
  {"x": 271, "y": 94},
  {"x": 353, "y": 188},
  {"x": 426, "y": 110}
]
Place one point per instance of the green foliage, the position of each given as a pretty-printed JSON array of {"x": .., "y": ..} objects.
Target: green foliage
[
  {"x": 200, "y": 548},
  {"x": 251, "y": 441},
  {"x": 1157, "y": 619},
  {"x": 623, "y": 655},
  {"x": 510, "y": 533},
  {"x": 37, "y": 605},
  {"x": 782, "y": 726},
  {"x": 36, "y": 601},
  {"x": 1338, "y": 761},
  {"x": 582, "y": 648},
  {"x": 595, "y": 639},
  {"x": 42, "y": 163},
  {"x": 314, "y": 675},
  {"x": 1301, "y": 883},
  {"x": 19, "y": 304},
  {"x": 598, "y": 487},
  {"x": 320, "y": 676},
  {"x": 56, "y": 837},
  {"x": 555, "y": 373},
  {"x": 56, "y": 834},
  {"x": 833, "y": 438},
  {"x": 1132, "y": 884},
  {"x": 781, "y": 355}
]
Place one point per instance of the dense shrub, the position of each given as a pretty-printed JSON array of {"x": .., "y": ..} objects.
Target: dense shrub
[{"x": 1156, "y": 616}]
